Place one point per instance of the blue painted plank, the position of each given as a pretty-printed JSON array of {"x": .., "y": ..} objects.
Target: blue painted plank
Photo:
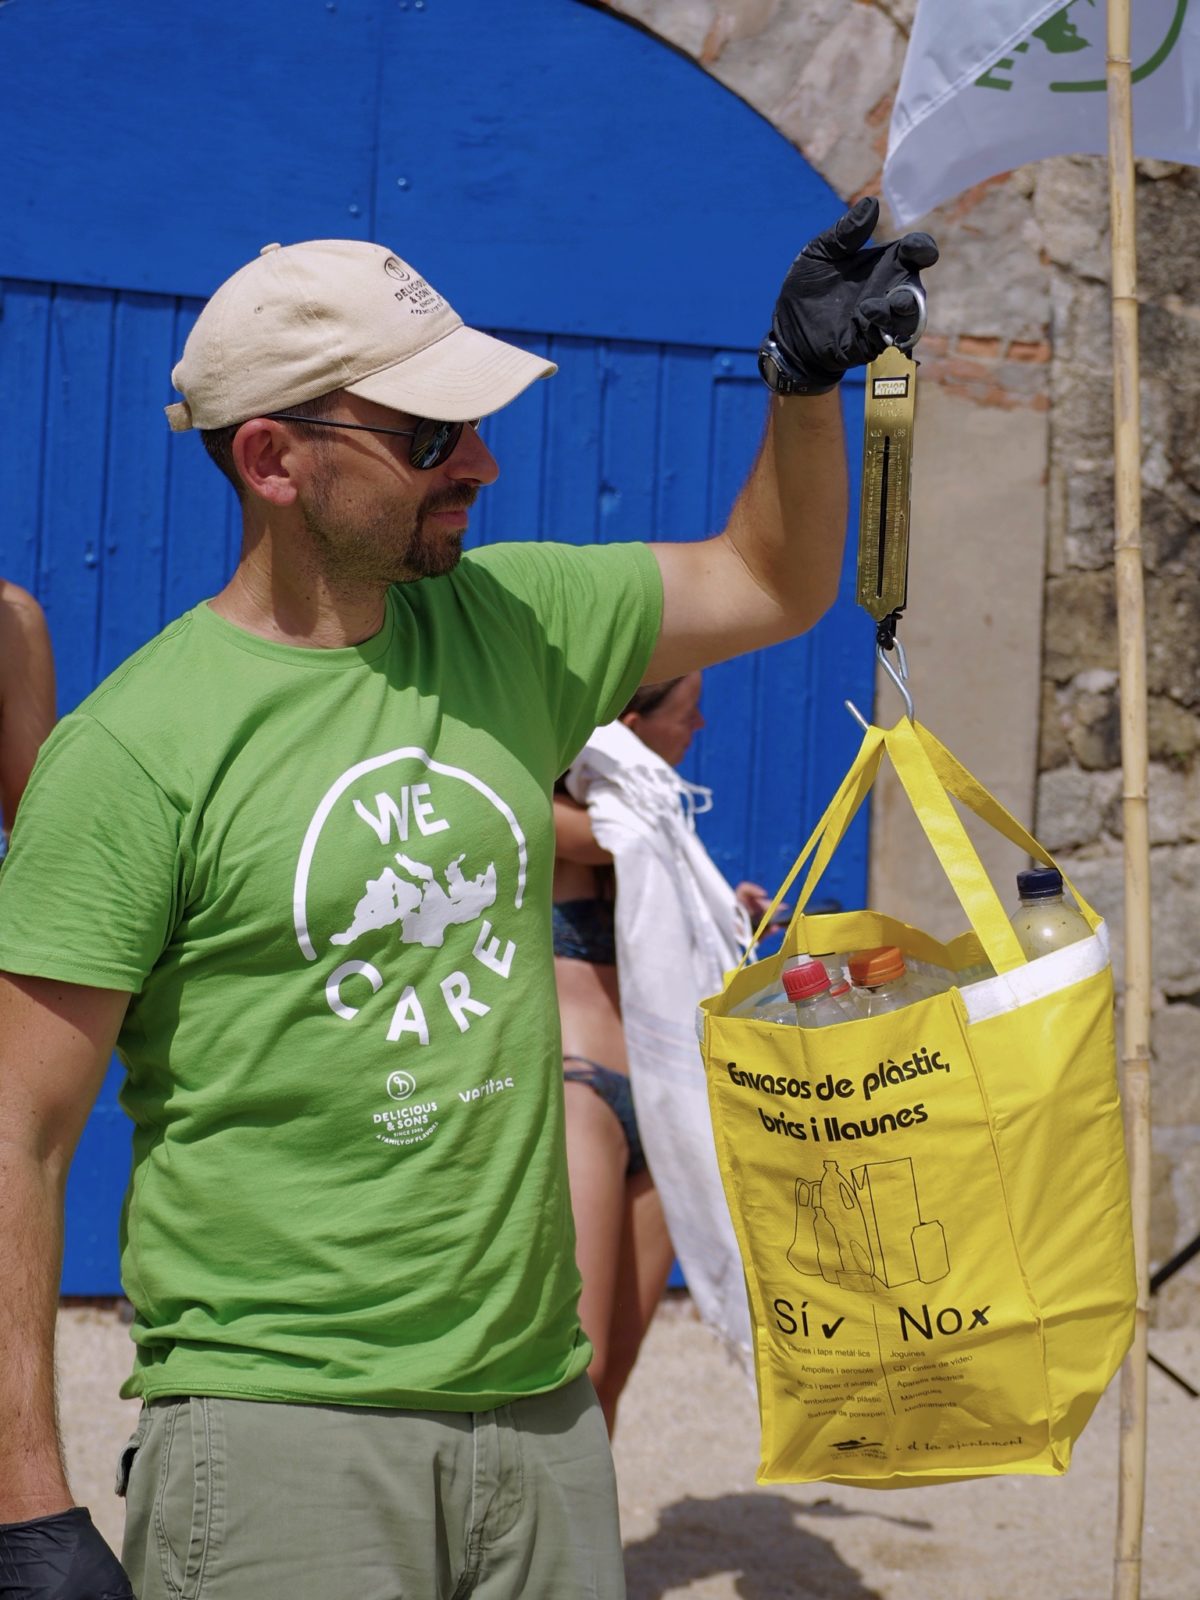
[
  {"x": 132, "y": 527},
  {"x": 73, "y": 477},
  {"x": 511, "y": 508},
  {"x": 681, "y": 470},
  {"x": 24, "y": 334},
  {"x": 572, "y": 442},
  {"x": 629, "y": 440},
  {"x": 199, "y": 504}
]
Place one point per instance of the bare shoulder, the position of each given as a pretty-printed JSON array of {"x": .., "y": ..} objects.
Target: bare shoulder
[{"x": 19, "y": 610}]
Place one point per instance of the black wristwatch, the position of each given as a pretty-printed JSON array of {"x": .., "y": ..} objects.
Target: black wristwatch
[{"x": 778, "y": 376}]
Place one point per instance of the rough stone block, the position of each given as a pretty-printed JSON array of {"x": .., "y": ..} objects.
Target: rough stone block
[
  {"x": 1072, "y": 805},
  {"x": 1172, "y": 636},
  {"x": 1094, "y": 728},
  {"x": 1174, "y": 803},
  {"x": 1174, "y": 732},
  {"x": 1164, "y": 1210},
  {"x": 855, "y": 63},
  {"x": 1053, "y": 721},
  {"x": 1175, "y": 1081},
  {"x": 1071, "y": 207},
  {"x": 1175, "y": 1223},
  {"x": 1088, "y": 534},
  {"x": 1080, "y": 624},
  {"x": 1173, "y": 876}
]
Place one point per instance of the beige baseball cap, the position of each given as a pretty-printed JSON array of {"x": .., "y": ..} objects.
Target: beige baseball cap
[{"x": 304, "y": 319}]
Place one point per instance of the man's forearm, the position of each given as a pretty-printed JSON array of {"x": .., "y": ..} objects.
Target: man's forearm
[
  {"x": 789, "y": 523},
  {"x": 32, "y": 1478}
]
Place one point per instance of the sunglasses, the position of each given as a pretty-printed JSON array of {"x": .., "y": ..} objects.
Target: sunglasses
[{"x": 432, "y": 442}]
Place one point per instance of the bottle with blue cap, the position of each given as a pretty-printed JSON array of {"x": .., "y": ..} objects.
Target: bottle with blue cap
[{"x": 1045, "y": 920}]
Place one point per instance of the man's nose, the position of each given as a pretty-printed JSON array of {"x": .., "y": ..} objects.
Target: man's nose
[{"x": 472, "y": 461}]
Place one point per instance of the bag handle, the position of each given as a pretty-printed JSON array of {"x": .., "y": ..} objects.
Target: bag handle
[
  {"x": 948, "y": 839},
  {"x": 828, "y": 833},
  {"x": 967, "y": 788},
  {"x": 928, "y": 773}
]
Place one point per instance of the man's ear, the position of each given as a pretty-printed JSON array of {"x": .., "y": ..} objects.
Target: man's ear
[{"x": 265, "y": 457}]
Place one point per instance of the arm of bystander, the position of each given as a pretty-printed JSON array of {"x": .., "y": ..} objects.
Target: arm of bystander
[
  {"x": 26, "y": 692},
  {"x": 58, "y": 1038}
]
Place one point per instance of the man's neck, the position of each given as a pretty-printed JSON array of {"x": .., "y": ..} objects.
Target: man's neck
[{"x": 305, "y": 612}]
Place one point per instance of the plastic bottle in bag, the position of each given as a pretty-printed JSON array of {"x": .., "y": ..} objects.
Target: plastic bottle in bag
[
  {"x": 770, "y": 1003},
  {"x": 809, "y": 987},
  {"x": 1045, "y": 920},
  {"x": 882, "y": 982}
]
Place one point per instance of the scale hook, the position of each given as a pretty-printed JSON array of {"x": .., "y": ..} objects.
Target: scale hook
[{"x": 900, "y": 679}]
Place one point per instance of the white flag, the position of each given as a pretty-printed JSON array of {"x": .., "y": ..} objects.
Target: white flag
[{"x": 990, "y": 84}]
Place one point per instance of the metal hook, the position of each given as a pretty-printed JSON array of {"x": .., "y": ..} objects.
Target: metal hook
[
  {"x": 907, "y": 344},
  {"x": 857, "y": 715},
  {"x": 900, "y": 679}
]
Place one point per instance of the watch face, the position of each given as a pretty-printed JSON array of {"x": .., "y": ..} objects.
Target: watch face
[{"x": 771, "y": 370}]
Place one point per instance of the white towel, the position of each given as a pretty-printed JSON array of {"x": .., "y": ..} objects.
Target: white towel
[{"x": 679, "y": 930}]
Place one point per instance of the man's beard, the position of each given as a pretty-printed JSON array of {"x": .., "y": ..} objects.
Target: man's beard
[{"x": 386, "y": 544}]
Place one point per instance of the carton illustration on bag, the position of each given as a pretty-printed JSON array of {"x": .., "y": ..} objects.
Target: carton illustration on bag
[{"x": 866, "y": 1228}]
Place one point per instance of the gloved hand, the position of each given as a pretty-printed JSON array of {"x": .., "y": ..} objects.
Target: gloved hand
[
  {"x": 839, "y": 299},
  {"x": 62, "y": 1557}
]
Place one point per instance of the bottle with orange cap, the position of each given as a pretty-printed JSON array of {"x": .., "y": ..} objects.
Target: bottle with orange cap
[
  {"x": 882, "y": 982},
  {"x": 809, "y": 987}
]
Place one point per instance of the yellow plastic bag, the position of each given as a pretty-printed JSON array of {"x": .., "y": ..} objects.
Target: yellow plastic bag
[{"x": 932, "y": 1205}]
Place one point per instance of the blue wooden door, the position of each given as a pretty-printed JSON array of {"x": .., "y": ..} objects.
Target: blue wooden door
[{"x": 563, "y": 178}]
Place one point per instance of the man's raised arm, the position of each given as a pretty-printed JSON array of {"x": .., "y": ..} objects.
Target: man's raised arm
[
  {"x": 773, "y": 572},
  {"x": 55, "y": 1044}
]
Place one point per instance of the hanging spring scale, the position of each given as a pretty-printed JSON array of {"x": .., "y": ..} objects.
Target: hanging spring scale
[{"x": 883, "y": 529}]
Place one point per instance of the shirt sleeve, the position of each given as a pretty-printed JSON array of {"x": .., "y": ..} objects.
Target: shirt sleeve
[
  {"x": 89, "y": 890},
  {"x": 593, "y": 616}
]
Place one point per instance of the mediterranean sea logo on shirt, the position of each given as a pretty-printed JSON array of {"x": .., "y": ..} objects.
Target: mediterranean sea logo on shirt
[{"x": 408, "y": 886}]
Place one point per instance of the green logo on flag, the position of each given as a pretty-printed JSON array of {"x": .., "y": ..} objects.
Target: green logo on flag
[{"x": 1060, "y": 36}]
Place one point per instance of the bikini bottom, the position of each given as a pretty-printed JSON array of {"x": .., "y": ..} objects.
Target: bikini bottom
[{"x": 613, "y": 1088}]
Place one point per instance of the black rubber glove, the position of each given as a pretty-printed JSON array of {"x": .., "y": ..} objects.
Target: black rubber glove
[
  {"x": 840, "y": 299},
  {"x": 62, "y": 1557}
]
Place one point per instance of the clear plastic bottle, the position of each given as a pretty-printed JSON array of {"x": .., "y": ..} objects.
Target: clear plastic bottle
[
  {"x": 882, "y": 982},
  {"x": 770, "y": 1003},
  {"x": 808, "y": 987},
  {"x": 930, "y": 977},
  {"x": 1045, "y": 920}
]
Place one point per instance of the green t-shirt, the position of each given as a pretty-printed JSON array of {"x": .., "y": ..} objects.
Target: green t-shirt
[{"x": 325, "y": 876}]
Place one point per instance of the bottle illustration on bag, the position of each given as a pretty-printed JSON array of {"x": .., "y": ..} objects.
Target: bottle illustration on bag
[{"x": 866, "y": 1229}]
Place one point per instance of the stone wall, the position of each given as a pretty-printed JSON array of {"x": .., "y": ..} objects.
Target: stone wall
[
  {"x": 1020, "y": 330},
  {"x": 1080, "y": 786}
]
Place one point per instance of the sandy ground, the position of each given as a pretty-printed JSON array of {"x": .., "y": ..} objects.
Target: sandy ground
[{"x": 696, "y": 1526}]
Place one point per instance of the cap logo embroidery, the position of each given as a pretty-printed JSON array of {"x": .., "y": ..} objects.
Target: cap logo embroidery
[{"x": 415, "y": 296}]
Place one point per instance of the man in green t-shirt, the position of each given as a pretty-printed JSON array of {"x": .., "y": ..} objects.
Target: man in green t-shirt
[{"x": 292, "y": 860}]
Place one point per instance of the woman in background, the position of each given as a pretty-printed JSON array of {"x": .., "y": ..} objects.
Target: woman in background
[
  {"x": 623, "y": 1249},
  {"x": 26, "y": 694}
]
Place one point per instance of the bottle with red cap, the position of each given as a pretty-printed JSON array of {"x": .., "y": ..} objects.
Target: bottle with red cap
[
  {"x": 808, "y": 986},
  {"x": 882, "y": 981}
]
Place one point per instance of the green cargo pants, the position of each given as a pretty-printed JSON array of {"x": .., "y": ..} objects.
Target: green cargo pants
[{"x": 250, "y": 1500}]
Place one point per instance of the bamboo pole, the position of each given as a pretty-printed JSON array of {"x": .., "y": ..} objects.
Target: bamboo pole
[{"x": 1131, "y": 634}]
